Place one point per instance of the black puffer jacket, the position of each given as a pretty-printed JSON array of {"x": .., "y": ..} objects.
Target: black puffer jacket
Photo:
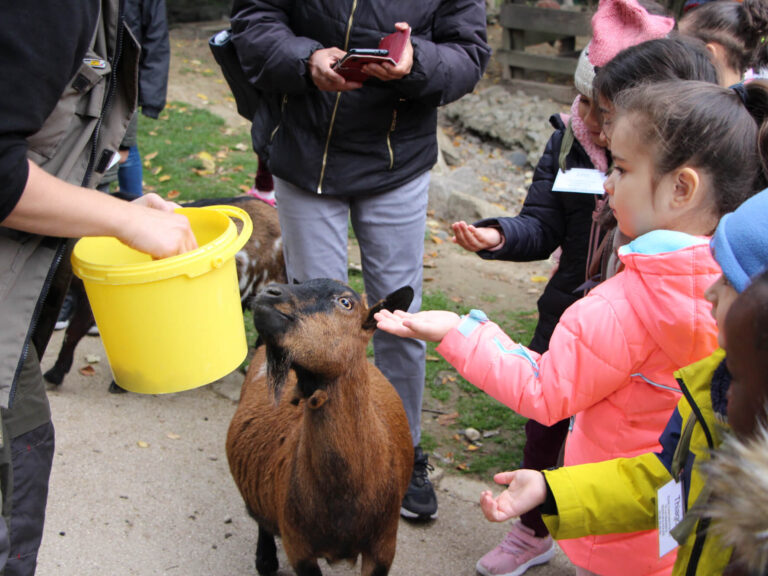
[
  {"x": 148, "y": 21},
  {"x": 547, "y": 220},
  {"x": 368, "y": 140}
]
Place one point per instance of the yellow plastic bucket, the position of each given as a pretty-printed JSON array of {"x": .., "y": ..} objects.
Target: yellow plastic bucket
[{"x": 172, "y": 324}]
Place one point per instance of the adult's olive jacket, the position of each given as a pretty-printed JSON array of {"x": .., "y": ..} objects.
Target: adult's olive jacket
[{"x": 363, "y": 141}]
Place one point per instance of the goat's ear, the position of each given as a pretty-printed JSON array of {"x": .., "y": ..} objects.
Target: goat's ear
[{"x": 400, "y": 299}]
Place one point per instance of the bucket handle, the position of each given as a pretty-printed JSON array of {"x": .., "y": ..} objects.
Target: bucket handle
[{"x": 242, "y": 238}]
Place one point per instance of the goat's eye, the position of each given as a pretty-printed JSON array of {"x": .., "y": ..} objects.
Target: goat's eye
[{"x": 346, "y": 303}]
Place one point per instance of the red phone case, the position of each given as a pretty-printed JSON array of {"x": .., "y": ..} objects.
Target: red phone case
[{"x": 351, "y": 65}]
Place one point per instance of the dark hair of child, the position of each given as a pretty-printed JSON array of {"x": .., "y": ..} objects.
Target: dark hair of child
[
  {"x": 718, "y": 130},
  {"x": 740, "y": 28},
  {"x": 655, "y": 61}
]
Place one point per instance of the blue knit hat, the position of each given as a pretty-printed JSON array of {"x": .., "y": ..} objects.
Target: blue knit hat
[{"x": 740, "y": 243}]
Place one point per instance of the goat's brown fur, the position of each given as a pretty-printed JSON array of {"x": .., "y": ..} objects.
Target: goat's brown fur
[{"x": 327, "y": 465}]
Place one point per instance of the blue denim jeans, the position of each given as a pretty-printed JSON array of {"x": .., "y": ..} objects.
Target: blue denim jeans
[{"x": 130, "y": 174}]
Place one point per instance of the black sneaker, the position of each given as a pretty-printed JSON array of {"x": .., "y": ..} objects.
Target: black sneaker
[
  {"x": 67, "y": 308},
  {"x": 420, "y": 502}
]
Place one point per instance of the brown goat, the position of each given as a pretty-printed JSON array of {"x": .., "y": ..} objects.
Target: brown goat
[
  {"x": 319, "y": 445},
  {"x": 258, "y": 263}
]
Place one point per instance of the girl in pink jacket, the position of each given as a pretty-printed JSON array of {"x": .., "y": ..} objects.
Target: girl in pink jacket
[{"x": 684, "y": 154}]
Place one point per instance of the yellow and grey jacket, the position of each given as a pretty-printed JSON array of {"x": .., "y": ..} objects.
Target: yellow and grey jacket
[{"x": 620, "y": 495}]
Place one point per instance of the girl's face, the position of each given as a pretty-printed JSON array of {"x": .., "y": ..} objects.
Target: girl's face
[
  {"x": 607, "y": 112},
  {"x": 591, "y": 117},
  {"x": 639, "y": 203},
  {"x": 721, "y": 295}
]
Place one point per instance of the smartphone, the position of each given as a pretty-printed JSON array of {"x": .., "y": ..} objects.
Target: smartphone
[{"x": 368, "y": 51}]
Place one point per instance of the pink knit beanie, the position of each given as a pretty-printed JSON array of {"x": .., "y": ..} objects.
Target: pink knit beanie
[{"x": 616, "y": 25}]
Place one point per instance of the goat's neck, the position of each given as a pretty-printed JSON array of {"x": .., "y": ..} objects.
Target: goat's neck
[{"x": 345, "y": 421}]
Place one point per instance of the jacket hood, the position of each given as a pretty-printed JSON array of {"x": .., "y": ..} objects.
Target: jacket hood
[
  {"x": 666, "y": 274},
  {"x": 738, "y": 478}
]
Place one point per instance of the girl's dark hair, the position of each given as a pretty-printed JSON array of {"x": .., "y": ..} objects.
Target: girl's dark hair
[
  {"x": 708, "y": 127},
  {"x": 740, "y": 28},
  {"x": 655, "y": 61}
]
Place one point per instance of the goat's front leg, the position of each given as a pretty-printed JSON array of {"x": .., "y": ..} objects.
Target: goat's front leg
[
  {"x": 266, "y": 553},
  {"x": 308, "y": 568},
  {"x": 371, "y": 566}
]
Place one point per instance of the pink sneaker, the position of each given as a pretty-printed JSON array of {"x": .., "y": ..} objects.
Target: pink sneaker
[
  {"x": 519, "y": 550},
  {"x": 268, "y": 197}
]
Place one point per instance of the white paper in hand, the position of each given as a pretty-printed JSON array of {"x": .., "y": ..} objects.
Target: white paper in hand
[{"x": 579, "y": 180}]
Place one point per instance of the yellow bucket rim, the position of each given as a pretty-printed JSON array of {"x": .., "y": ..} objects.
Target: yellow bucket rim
[{"x": 203, "y": 259}]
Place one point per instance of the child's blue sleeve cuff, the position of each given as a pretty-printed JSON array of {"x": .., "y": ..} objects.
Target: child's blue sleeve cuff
[{"x": 471, "y": 321}]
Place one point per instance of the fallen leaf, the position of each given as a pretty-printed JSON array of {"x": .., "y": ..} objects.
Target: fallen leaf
[
  {"x": 164, "y": 178},
  {"x": 207, "y": 160},
  {"x": 87, "y": 370},
  {"x": 173, "y": 436},
  {"x": 92, "y": 358},
  {"x": 172, "y": 194},
  {"x": 472, "y": 448},
  {"x": 539, "y": 279},
  {"x": 437, "y": 239},
  {"x": 242, "y": 147},
  {"x": 431, "y": 358},
  {"x": 463, "y": 467},
  {"x": 157, "y": 170},
  {"x": 151, "y": 155},
  {"x": 202, "y": 96},
  {"x": 457, "y": 299},
  {"x": 245, "y": 188},
  {"x": 142, "y": 444},
  {"x": 447, "y": 419}
]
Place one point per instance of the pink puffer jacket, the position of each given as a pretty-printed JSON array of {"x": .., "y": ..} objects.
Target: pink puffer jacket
[{"x": 610, "y": 365}]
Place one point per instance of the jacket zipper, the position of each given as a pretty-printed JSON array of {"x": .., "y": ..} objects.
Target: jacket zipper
[
  {"x": 110, "y": 95},
  {"x": 389, "y": 142},
  {"x": 703, "y": 524},
  {"x": 336, "y": 104},
  {"x": 282, "y": 111}
]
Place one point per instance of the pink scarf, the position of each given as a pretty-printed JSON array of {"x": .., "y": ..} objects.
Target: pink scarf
[{"x": 596, "y": 153}]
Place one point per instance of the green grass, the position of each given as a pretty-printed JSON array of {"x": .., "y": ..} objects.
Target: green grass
[{"x": 188, "y": 154}]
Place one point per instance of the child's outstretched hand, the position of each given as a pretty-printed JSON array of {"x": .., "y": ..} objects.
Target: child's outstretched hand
[
  {"x": 527, "y": 489},
  {"x": 475, "y": 239},
  {"x": 430, "y": 325}
]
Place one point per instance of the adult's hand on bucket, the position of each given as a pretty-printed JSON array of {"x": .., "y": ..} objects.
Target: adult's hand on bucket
[{"x": 156, "y": 229}]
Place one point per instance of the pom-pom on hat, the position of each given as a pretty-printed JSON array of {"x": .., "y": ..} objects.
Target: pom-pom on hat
[
  {"x": 616, "y": 25},
  {"x": 740, "y": 243}
]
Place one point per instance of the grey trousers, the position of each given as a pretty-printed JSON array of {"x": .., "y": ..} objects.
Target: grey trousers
[{"x": 390, "y": 230}]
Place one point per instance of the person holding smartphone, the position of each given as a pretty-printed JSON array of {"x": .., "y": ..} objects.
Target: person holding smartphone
[{"x": 360, "y": 149}]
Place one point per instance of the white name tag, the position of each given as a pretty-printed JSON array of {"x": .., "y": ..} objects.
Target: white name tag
[
  {"x": 581, "y": 180},
  {"x": 670, "y": 512}
]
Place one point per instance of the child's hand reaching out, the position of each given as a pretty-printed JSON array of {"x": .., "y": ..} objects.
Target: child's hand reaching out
[
  {"x": 475, "y": 239},
  {"x": 527, "y": 489},
  {"x": 430, "y": 325}
]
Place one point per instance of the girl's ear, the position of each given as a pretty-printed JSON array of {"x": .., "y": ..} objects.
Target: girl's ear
[{"x": 687, "y": 186}]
